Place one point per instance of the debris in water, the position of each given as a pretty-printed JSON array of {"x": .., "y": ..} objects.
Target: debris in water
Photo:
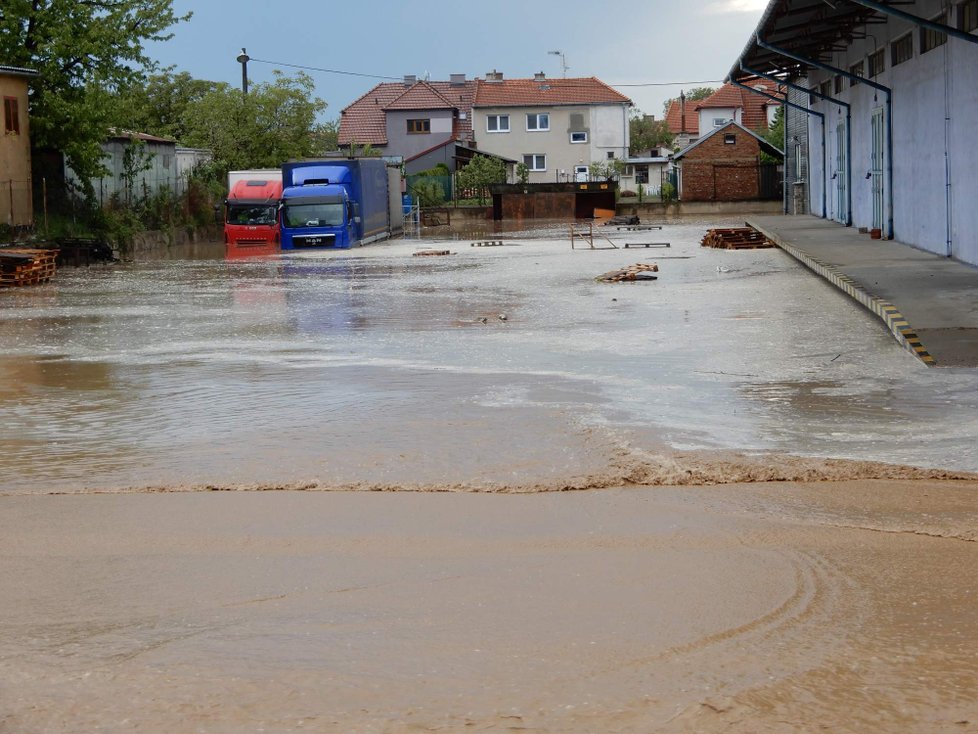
[
  {"x": 638, "y": 271},
  {"x": 502, "y": 317},
  {"x": 422, "y": 253}
]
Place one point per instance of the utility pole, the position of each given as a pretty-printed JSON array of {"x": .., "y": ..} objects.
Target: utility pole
[
  {"x": 243, "y": 59},
  {"x": 563, "y": 61}
]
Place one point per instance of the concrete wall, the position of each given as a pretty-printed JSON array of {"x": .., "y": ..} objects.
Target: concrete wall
[
  {"x": 399, "y": 142},
  {"x": 935, "y": 159},
  {"x": 15, "y": 158},
  {"x": 733, "y": 209},
  {"x": 607, "y": 128},
  {"x": 718, "y": 171}
]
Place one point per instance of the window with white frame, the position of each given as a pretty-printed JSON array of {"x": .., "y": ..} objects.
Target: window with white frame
[
  {"x": 535, "y": 161},
  {"x": 901, "y": 49},
  {"x": 931, "y": 39},
  {"x": 497, "y": 123},
  {"x": 720, "y": 121},
  {"x": 579, "y": 137},
  {"x": 538, "y": 121},
  {"x": 968, "y": 15},
  {"x": 877, "y": 63}
]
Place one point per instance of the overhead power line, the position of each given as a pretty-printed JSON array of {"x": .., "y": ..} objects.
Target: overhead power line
[
  {"x": 328, "y": 71},
  {"x": 667, "y": 84},
  {"x": 398, "y": 78}
]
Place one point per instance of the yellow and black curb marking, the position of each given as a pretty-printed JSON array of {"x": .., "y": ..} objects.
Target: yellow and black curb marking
[{"x": 890, "y": 314}]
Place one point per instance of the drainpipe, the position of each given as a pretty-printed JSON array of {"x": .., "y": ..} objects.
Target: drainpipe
[
  {"x": 839, "y": 102},
  {"x": 889, "y": 114},
  {"x": 917, "y": 20},
  {"x": 819, "y": 115}
]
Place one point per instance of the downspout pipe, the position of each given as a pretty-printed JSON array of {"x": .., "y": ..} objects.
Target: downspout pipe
[
  {"x": 833, "y": 100},
  {"x": 917, "y": 20},
  {"x": 820, "y": 115},
  {"x": 862, "y": 80}
]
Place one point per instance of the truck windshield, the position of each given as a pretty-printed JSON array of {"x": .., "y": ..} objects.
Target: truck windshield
[
  {"x": 314, "y": 215},
  {"x": 251, "y": 214}
]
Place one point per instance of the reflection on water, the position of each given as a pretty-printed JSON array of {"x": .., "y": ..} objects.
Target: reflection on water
[{"x": 507, "y": 366}]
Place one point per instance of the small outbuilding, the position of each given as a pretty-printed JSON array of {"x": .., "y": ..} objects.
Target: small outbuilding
[
  {"x": 16, "y": 210},
  {"x": 726, "y": 165}
]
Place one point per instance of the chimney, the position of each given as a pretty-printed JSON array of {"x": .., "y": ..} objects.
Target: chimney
[
  {"x": 410, "y": 79},
  {"x": 539, "y": 77},
  {"x": 682, "y": 111},
  {"x": 456, "y": 80},
  {"x": 494, "y": 76}
]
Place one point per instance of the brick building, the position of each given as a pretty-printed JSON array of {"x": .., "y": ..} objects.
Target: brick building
[{"x": 725, "y": 165}]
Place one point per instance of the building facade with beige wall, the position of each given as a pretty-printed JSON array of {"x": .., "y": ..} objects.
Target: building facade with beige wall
[
  {"x": 558, "y": 127},
  {"x": 16, "y": 209}
]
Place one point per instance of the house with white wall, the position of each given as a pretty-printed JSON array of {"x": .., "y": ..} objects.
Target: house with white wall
[
  {"x": 893, "y": 96},
  {"x": 557, "y": 127}
]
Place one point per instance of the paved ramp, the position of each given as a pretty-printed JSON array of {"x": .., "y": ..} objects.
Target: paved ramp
[{"x": 928, "y": 302}]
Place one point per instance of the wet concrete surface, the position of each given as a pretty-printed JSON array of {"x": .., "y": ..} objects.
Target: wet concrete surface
[{"x": 373, "y": 367}]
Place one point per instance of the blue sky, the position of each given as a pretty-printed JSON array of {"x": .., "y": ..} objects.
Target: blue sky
[{"x": 629, "y": 42}]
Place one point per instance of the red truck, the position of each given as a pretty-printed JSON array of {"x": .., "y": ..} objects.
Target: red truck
[{"x": 251, "y": 219}]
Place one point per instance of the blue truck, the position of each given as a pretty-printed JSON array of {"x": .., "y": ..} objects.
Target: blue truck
[{"x": 339, "y": 203}]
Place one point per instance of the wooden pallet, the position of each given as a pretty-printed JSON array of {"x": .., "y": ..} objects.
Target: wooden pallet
[
  {"x": 22, "y": 266},
  {"x": 639, "y": 271},
  {"x": 425, "y": 253},
  {"x": 736, "y": 238}
]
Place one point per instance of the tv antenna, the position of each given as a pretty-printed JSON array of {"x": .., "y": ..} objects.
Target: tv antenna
[{"x": 563, "y": 61}]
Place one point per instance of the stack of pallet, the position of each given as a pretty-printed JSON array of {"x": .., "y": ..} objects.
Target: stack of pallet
[
  {"x": 737, "y": 238},
  {"x": 21, "y": 266}
]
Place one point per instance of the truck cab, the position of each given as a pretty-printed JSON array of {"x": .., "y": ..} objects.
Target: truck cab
[
  {"x": 318, "y": 214},
  {"x": 251, "y": 222}
]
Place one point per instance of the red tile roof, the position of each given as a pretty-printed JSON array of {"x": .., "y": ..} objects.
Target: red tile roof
[
  {"x": 753, "y": 106},
  {"x": 420, "y": 96},
  {"x": 365, "y": 120},
  {"x": 545, "y": 93},
  {"x": 675, "y": 122}
]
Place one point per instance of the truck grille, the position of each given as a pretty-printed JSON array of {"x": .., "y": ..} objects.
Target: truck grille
[
  {"x": 314, "y": 240},
  {"x": 251, "y": 241}
]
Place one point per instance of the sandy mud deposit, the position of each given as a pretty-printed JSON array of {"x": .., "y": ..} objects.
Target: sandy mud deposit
[{"x": 773, "y": 530}]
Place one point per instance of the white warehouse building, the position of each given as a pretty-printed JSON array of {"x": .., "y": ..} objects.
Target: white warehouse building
[{"x": 892, "y": 94}]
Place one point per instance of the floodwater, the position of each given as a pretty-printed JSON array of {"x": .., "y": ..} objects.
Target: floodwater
[
  {"x": 494, "y": 367},
  {"x": 777, "y": 533}
]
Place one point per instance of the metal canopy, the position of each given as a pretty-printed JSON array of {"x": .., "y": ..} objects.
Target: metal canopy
[{"x": 810, "y": 28}]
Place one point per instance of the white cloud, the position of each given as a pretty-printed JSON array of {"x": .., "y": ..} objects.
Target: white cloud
[{"x": 736, "y": 6}]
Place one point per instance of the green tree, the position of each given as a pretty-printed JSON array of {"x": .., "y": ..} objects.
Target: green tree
[
  {"x": 645, "y": 132},
  {"x": 158, "y": 105},
  {"x": 522, "y": 172},
  {"x": 773, "y": 134},
  {"x": 479, "y": 173},
  {"x": 83, "y": 51},
  {"x": 695, "y": 94},
  {"x": 273, "y": 123},
  {"x": 326, "y": 136}
]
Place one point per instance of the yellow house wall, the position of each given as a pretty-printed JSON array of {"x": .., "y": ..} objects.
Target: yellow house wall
[{"x": 15, "y": 159}]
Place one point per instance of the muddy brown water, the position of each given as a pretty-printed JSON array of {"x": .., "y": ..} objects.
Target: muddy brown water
[{"x": 777, "y": 531}]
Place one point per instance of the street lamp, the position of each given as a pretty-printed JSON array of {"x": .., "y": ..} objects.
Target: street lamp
[
  {"x": 563, "y": 61},
  {"x": 243, "y": 59}
]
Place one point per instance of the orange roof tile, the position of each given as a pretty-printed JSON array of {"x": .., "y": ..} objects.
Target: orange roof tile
[
  {"x": 753, "y": 106},
  {"x": 545, "y": 93},
  {"x": 675, "y": 122},
  {"x": 365, "y": 120},
  {"x": 420, "y": 96}
]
